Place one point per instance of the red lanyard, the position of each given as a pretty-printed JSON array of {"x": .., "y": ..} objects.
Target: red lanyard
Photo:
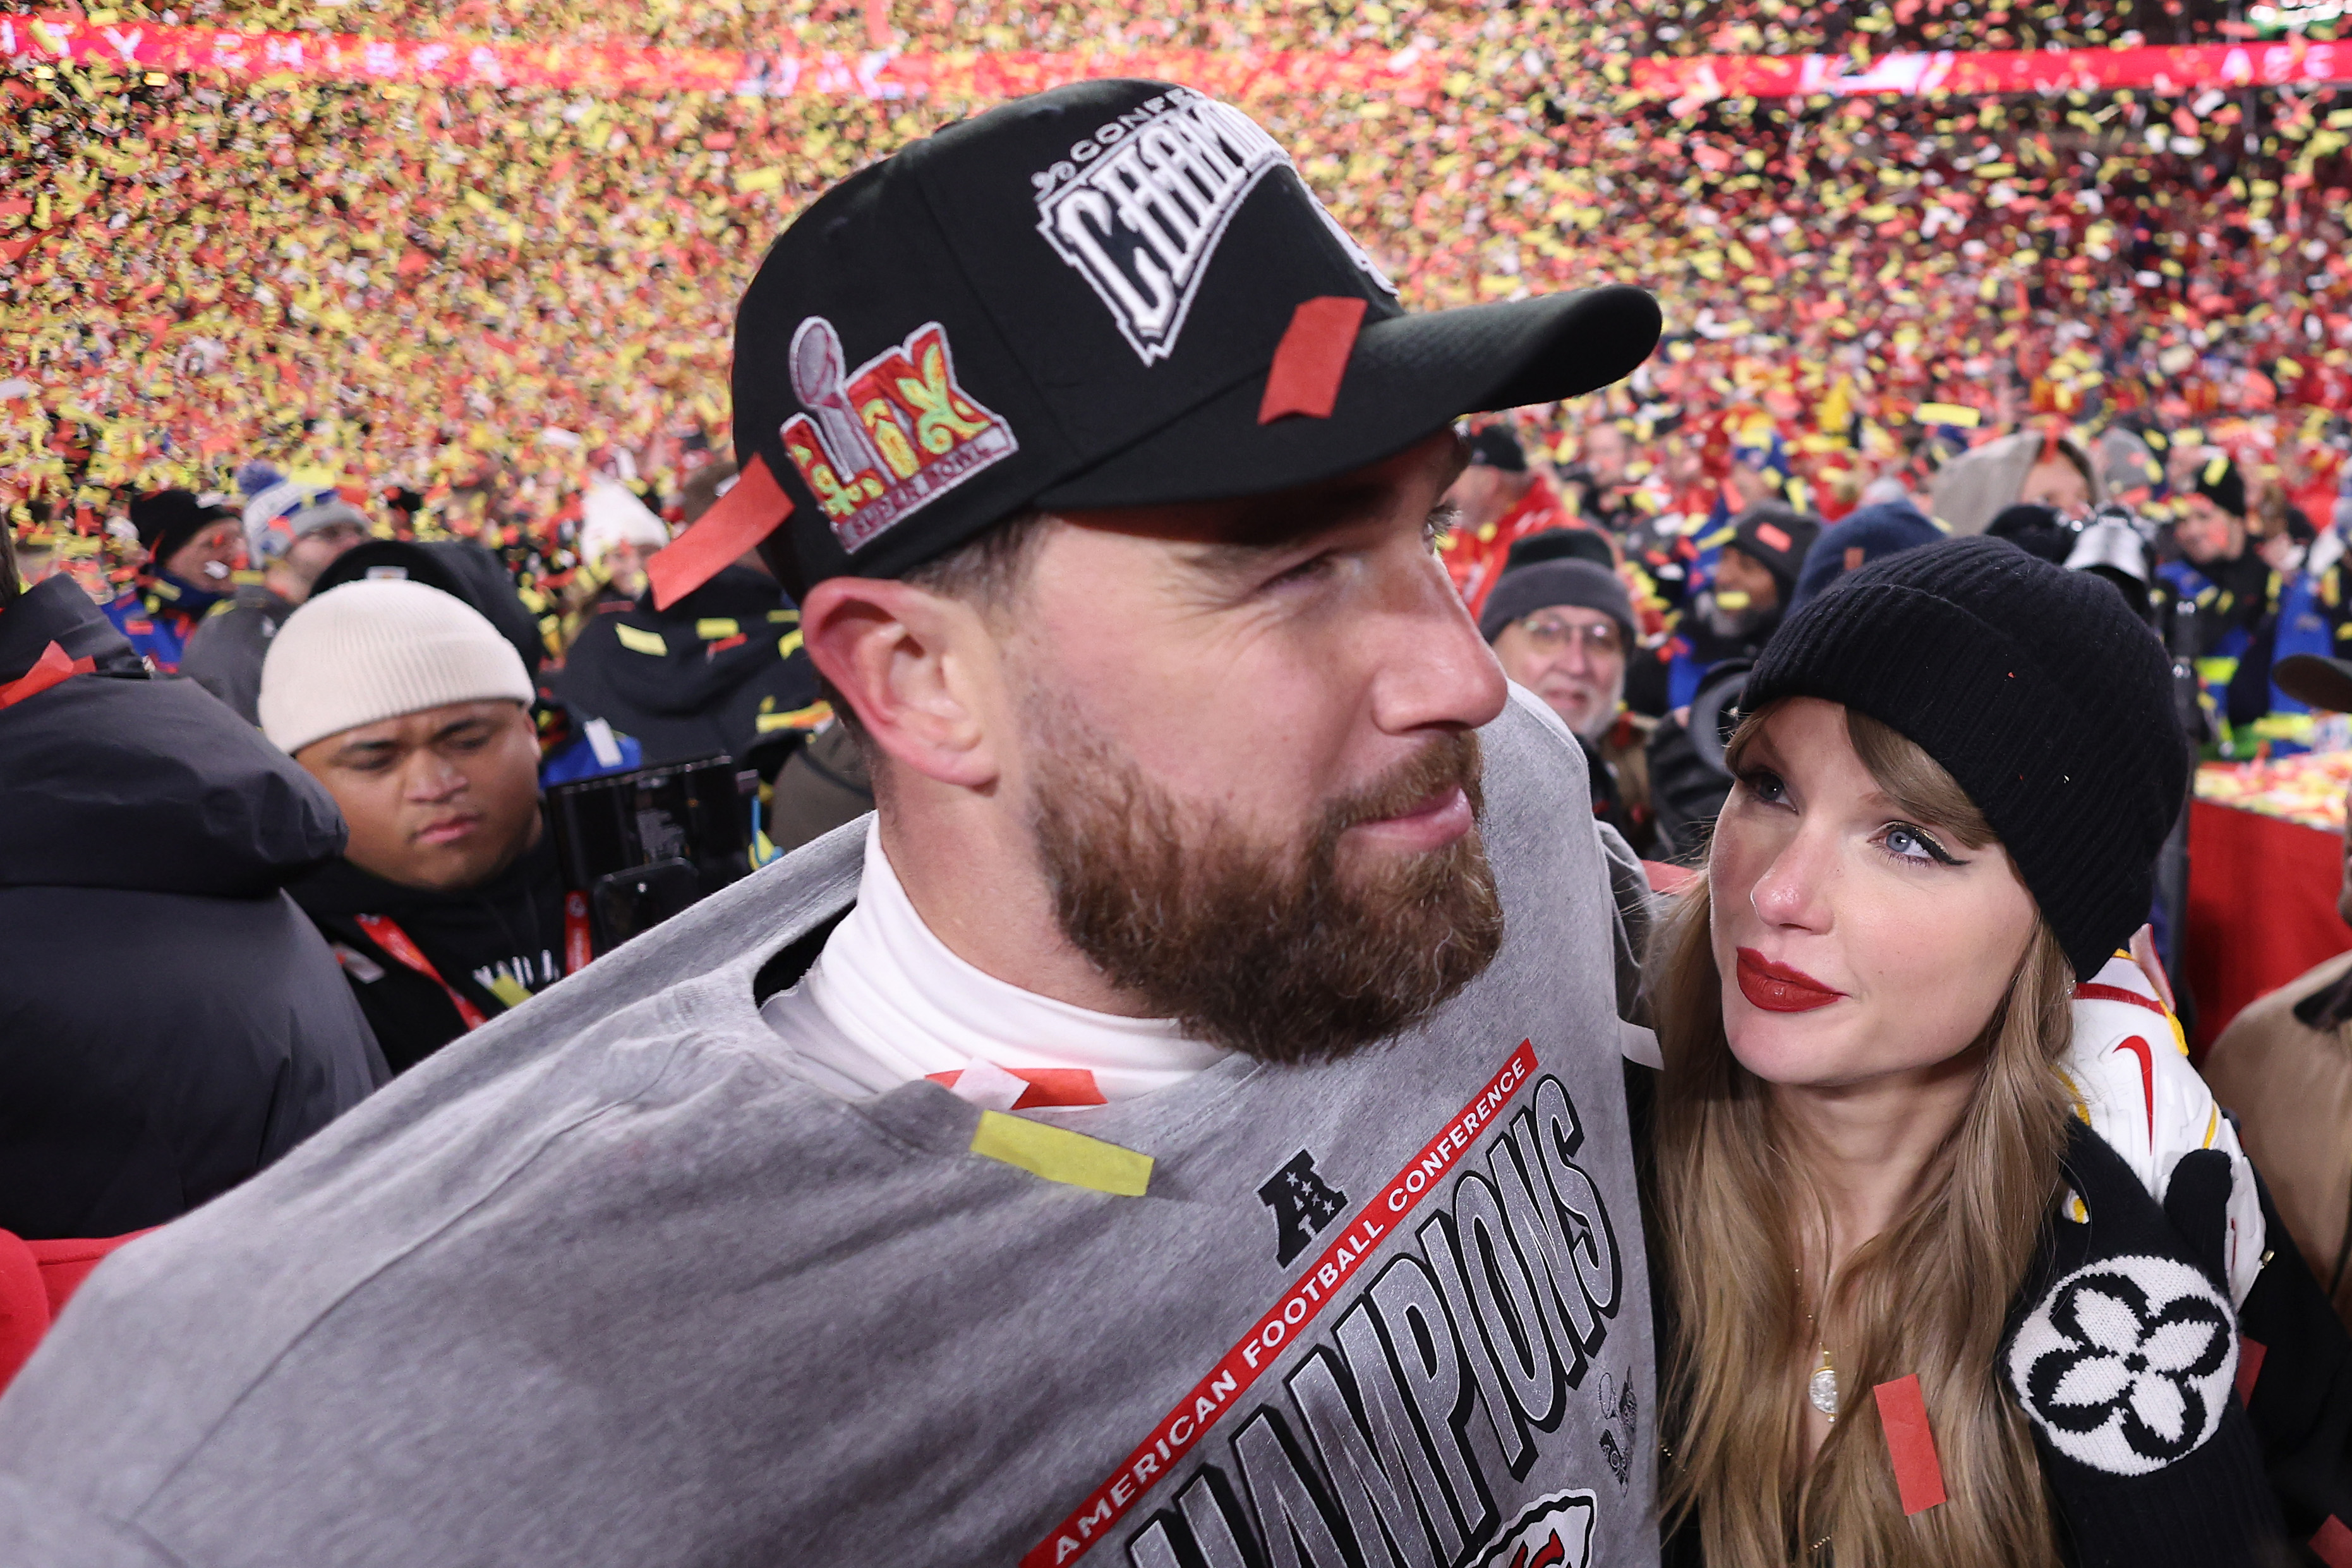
[
  {"x": 395, "y": 942},
  {"x": 576, "y": 951}
]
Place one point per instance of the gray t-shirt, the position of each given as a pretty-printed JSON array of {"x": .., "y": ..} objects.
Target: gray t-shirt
[{"x": 608, "y": 1283}]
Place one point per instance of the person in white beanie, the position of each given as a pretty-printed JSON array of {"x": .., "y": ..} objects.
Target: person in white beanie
[
  {"x": 618, "y": 531},
  {"x": 447, "y": 906},
  {"x": 224, "y": 655}
]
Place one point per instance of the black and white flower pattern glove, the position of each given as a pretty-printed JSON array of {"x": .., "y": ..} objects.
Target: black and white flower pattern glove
[{"x": 2124, "y": 1360}]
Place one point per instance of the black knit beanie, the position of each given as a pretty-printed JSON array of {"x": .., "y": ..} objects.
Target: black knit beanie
[
  {"x": 168, "y": 519},
  {"x": 1523, "y": 590},
  {"x": 2038, "y": 692},
  {"x": 2220, "y": 482}
]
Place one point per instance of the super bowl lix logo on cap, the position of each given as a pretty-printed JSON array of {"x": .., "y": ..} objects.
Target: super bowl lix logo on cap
[{"x": 890, "y": 437}]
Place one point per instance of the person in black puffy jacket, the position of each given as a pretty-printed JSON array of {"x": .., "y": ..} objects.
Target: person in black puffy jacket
[{"x": 170, "y": 1022}]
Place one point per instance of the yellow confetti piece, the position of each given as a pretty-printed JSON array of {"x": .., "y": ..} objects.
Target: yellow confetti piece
[
  {"x": 716, "y": 628},
  {"x": 767, "y": 179},
  {"x": 639, "y": 641},
  {"x": 1058, "y": 1154},
  {"x": 1957, "y": 414},
  {"x": 509, "y": 990},
  {"x": 807, "y": 718}
]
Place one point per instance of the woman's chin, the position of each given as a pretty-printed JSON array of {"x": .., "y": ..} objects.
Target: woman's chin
[{"x": 1792, "y": 1050}]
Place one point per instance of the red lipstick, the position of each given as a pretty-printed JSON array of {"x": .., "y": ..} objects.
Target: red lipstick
[{"x": 1777, "y": 988}]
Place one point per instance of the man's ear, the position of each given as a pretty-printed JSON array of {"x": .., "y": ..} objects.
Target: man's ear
[{"x": 918, "y": 667}]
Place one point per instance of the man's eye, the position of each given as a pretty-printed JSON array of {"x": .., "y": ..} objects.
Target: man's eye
[{"x": 1306, "y": 571}]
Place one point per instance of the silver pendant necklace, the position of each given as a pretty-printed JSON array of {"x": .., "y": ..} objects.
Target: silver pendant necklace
[{"x": 1820, "y": 1388}]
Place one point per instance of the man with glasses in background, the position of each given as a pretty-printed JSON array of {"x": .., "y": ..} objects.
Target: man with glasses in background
[{"x": 1563, "y": 629}]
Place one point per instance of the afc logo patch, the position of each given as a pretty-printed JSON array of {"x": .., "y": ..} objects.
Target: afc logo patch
[{"x": 1303, "y": 1204}]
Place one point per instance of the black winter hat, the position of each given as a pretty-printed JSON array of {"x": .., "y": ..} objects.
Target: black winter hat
[
  {"x": 2218, "y": 482},
  {"x": 1575, "y": 543},
  {"x": 168, "y": 519},
  {"x": 2036, "y": 689},
  {"x": 2035, "y": 529},
  {"x": 1523, "y": 590},
  {"x": 1776, "y": 535},
  {"x": 1083, "y": 299},
  {"x": 1496, "y": 448}
]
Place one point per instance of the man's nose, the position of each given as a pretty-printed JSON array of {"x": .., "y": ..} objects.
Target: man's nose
[
  {"x": 1436, "y": 668},
  {"x": 431, "y": 779}
]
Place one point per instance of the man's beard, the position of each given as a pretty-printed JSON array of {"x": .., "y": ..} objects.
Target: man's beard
[
  {"x": 1271, "y": 950},
  {"x": 1747, "y": 623}
]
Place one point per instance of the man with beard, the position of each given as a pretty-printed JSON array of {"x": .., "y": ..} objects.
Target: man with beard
[
  {"x": 1184, "y": 1125},
  {"x": 1755, "y": 576}
]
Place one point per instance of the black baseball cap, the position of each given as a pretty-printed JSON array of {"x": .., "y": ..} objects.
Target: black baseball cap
[{"x": 1075, "y": 299}]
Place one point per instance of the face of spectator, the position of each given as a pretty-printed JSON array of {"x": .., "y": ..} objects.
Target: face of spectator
[
  {"x": 445, "y": 799},
  {"x": 1234, "y": 738},
  {"x": 1482, "y": 493},
  {"x": 217, "y": 549},
  {"x": 2206, "y": 533},
  {"x": 2278, "y": 551},
  {"x": 1606, "y": 454},
  {"x": 90, "y": 573},
  {"x": 1572, "y": 657},
  {"x": 308, "y": 556},
  {"x": 1858, "y": 950},
  {"x": 625, "y": 568},
  {"x": 2057, "y": 483},
  {"x": 1736, "y": 572}
]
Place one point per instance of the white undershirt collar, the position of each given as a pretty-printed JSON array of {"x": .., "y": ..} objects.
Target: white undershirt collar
[{"x": 887, "y": 1002}]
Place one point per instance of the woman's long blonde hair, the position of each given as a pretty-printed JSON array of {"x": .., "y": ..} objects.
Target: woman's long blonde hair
[{"x": 1928, "y": 1295}]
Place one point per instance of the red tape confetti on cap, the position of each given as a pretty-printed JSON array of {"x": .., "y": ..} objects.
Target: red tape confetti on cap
[
  {"x": 2333, "y": 1543},
  {"x": 752, "y": 509},
  {"x": 1919, "y": 1474},
  {"x": 1311, "y": 358}
]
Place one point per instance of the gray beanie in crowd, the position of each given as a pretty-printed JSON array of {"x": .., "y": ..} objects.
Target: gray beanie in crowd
[{"x": 1541, "y": 585}]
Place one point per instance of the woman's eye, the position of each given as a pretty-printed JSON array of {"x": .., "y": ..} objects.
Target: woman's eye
[
  {"x": 1907, "y": 843},
  {"x": 1767, "y": 787}
]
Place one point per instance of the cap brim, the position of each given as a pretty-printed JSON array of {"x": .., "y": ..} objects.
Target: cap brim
[
  {"x": 1408, "y": 377},
  {"x": 2315, "y": 681}
]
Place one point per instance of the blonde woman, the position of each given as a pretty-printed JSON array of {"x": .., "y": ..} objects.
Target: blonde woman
[{"x": 1954, "y": 772}]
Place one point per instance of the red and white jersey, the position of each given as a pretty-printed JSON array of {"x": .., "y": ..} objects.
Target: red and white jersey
[{"x": 2129, "y": 1072}]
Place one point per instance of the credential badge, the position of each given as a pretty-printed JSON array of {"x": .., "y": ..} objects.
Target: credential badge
[{"x": 890, "y": 437}]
